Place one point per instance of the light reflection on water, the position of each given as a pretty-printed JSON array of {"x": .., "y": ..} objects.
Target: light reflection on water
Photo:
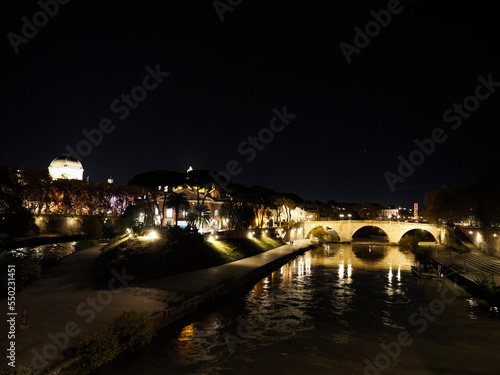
[
  {"x": 323, "y": 312},
  {"x": 43, "y": 253}
]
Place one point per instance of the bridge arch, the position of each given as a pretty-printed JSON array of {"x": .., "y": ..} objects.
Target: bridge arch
[
  {"x": 394, "y": 230},
  {"x": 422, "y": 233},
  {"x": 326, "y": 231},
  {"x": 366, "y": 228}
]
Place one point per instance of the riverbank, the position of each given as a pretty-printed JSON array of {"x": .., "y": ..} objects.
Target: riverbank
[
  {"x": 153, "y": 258},
  {"x": 469, "y": 272},
  {"x": 475, "y": 271},
  {"x": 63, "y": 305},
  {"x": 208, "y": 285}
]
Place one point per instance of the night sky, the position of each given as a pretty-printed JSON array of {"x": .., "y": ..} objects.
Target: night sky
[{"x": 225, "y": 77}]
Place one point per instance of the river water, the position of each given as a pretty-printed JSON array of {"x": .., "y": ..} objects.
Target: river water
[{"x": 337, "y": 309}]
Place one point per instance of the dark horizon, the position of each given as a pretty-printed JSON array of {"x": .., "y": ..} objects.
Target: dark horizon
[{"x": 227, "y": 80}]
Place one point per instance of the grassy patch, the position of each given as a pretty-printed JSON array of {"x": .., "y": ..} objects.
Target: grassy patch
[
  {"x": 150, "y": 259},
  {"x": 129, "y": 331}
]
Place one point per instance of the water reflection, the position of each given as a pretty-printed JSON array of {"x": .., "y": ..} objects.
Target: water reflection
[{"x": 43, "y": 254}]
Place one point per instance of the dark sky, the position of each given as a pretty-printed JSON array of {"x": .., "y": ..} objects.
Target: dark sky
[{"x": 353, "y": 119}]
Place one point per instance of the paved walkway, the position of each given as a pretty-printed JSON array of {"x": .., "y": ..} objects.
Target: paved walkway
[
  {"x": 477, "y": 264},
  {"x": 65, "y": 295}
]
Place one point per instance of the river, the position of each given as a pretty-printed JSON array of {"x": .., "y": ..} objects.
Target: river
[{"x": 337, "y": 309}]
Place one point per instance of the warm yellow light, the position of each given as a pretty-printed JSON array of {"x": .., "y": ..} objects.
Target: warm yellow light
[{"x": 152, "y": 234}]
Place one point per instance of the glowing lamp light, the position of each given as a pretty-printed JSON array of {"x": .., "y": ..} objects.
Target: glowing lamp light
[{"x": 152, "y": 234}]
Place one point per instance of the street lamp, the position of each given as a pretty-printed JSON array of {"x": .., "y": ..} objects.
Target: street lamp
[
  {"x": 349, "y": 215},
  {"x": 341, "y": 216}
]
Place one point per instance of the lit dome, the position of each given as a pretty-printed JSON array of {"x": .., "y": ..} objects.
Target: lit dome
[{"x": 66, "y": 167}]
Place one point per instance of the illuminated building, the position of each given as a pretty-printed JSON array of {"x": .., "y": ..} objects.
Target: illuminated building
[{"x": 66, "y": 167}]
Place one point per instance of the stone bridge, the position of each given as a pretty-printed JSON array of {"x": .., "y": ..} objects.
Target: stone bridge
[{"x": 345, "y": 229}]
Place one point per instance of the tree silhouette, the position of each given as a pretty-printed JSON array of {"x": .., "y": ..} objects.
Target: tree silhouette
[{"x": 177, "y": 201}]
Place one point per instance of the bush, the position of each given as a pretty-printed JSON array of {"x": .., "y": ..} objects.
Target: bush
[
  {"x": 62, "y": 225},
  {"x": 7, "y": 370},
  {"x": 92, "y": 227},
  {"x": 96, "y": 349},
  {"x": 109, "y": 228},
  {"x": 20, "y": 224},
  {"x": 128, "y": 219},
  {"x": 133, "y": 329},
  {"x": 485, "y": 289},
  {"x": 409, "y": 243},
  {"x": 322, "y": 235}
]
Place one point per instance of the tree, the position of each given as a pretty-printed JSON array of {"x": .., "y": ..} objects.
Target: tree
[
  {"x": 129, "y": 218},
  {"x": 11, "y": 191},
  {"x": 37, "y": 189},
  {"x": 486, "y": 197},
  {"x": 239, "y": 215},
  {"x": 92, "y": 227},
  {"x": 199, "y": 216},
  {"x": 177, "y": 201},
  {"x": 157, "y": 184},
  {"x": 369, "y": 211},
  {"x": 201, "y": 184},
  {"x": 449, "y": 204},
  {"x": 16, "y": 220},
  {"x": 285, "y": 203}
]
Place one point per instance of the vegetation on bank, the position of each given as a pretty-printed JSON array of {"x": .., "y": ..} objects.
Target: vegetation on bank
[
  {"x": 320, "y": 234},
  {"x": 487, "y": 290},
  {"x": 148, "y": 259},
  {"x": 129, "y": 331},
  {"x": 410, "y": 243},
  {"x": 8, "y": 370}
]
